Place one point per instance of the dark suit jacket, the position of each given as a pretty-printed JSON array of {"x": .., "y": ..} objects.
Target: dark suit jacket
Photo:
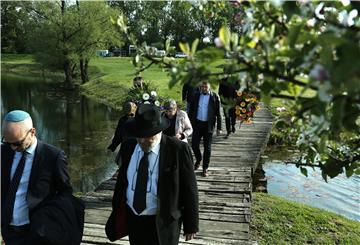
[
  {"x": 188, "y": 92},
  {"x": 120, "y": 134},
  {"x": 227, "y": 90},
  {"x": 177, "y": 193},
  {"x": 214, "y": 115},
  {"x": 49, "y": 177},
  {"x": 59, "y": 221}
]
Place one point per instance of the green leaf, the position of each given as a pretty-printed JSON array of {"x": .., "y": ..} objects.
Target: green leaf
[
  {"x": 194, "y": 46},
  {"x": 112, "y": 20},
  {"x": 304, "y": 171},
  {"x": 184, "y": 48},
  {"x": 234, "y": 40},
  {"x": 224, "y": 35},
  {"x": 252, "y": 44},
  {"x": 294, "y": 34},
  {"x": 349, "y": 172}
]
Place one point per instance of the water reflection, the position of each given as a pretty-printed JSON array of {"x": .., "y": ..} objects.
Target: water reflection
[
  {"x": 340, "y": 195},
  {"x": 81, "y": 127}
]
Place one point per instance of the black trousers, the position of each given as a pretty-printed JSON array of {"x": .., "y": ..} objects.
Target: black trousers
[
  {"x": 230, "y": 119},
  {"x": 201, "y": 130},
  {"x": 141, "y": 228}
]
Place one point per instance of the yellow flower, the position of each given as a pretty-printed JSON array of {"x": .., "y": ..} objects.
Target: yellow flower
[
  {"x": 247, "y": 99},
  {"x": 239, "y": 93},
  {"x": 242, "y": 104},
  {"x": 243, "y": 110},
  {"x": 257, "y": 107},
  {"x": 237, "y": 111},
  {"x": 237, "y": 107}
]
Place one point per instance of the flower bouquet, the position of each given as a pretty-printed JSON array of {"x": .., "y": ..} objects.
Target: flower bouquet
[
  {"x": 145, "y": 95},
  {"x": 246, "y": 105}
]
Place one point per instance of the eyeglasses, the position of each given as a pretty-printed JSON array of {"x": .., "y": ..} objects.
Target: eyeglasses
[{"x": 18, "y": 143}]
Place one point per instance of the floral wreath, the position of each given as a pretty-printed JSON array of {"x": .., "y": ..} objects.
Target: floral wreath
[
  {"x": 246, "y": 105},
  {"x": 145, "y": 95}
]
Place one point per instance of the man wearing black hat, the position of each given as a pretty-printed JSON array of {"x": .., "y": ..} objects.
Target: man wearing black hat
[{"x": 156, "y": 188}]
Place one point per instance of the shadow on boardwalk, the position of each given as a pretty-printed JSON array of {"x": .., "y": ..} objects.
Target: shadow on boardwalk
[{"x": 225, "y": 196}]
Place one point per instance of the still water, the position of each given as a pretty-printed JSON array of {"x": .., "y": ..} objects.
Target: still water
[
  {"x": 81, "y": 127},
  {"x": 340, "y": 194}
]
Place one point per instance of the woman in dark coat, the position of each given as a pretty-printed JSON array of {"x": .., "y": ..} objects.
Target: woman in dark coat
[{"x": 120, "y": 135}]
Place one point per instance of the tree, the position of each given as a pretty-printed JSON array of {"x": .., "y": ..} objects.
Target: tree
[
  {"x": 13, "y": 28},
  {"x": 304, "y": 52},
  {"x": 155, "y": 22},
  {"x": 96, "y": 32},
  {"x": 71, "y": 33}
]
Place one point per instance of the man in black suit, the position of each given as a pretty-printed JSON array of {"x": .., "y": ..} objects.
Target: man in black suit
[
  {"x": 227, "y": 92},
  {"x": 156, "y": 188},
  {"x": 188, "y": 93},
  {"x": 204, "y": 114},
  {"x": 33, "y": 174}
]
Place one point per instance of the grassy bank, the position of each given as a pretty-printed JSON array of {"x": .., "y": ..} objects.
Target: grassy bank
[
  {"x": 277, "y": 221},
  {"x": 110, "y": 78}
]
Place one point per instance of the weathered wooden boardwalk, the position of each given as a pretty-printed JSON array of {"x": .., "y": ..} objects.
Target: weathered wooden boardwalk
[{"x": 225, "y": 196}]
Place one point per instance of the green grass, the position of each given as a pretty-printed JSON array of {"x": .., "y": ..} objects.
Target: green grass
[
  {"x": 112, "y": 77},
  {"x": 17, "y": 59},
  {"x": 278, "y": 221},
  {"x": 23, "y": 67}
]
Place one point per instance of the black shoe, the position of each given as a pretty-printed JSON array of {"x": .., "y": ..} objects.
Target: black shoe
[
  {"x": 233, "y": 129},
  {"x": 227, "y": 135},
  {"x": 205, "y": 173},
  {"x": 197, "y": 165}
]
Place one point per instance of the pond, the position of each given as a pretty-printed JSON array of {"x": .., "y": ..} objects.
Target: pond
[
  {"x": 81, "y": 127},
  {"x": 340, "y": 194}
]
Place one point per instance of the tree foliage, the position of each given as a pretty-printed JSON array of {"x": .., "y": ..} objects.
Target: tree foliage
[
  {"x": 304, "y": 52},
  {"x": 13, "y": 28},
  {"x": 65, "y": 34}
]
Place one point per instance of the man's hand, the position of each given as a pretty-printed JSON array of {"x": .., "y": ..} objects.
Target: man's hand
[
  {"x": 218, "y": 132},
  {"x": 178, "y": 136},
  {"x": 189, "y": 236}
]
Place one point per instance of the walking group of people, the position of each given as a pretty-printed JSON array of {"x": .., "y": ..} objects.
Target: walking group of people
[{"x": 156, "y": 189}]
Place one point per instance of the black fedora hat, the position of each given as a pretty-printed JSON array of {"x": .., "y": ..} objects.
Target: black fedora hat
[{"x": 147, "y": 122}]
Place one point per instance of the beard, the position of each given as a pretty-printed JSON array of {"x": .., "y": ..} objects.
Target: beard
[{"x": 147, "y": 146}]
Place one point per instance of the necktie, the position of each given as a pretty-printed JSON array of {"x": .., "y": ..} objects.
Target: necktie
[
  {"x": 139, "y": 203},
  {"x": 14, "y": 184}
]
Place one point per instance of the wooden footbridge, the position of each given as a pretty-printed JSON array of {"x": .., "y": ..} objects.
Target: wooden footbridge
[{"x": 224, "y": 196}]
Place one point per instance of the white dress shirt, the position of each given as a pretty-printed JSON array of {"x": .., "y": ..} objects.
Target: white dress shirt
[
  {"x": 20, "y": 214},
  {"x": 203, "y": 107},
  {"x": 152, "y": 182}
]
